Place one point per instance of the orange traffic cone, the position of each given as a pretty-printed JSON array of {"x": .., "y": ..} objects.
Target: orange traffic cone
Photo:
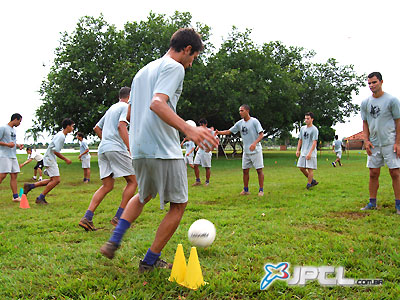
[
  {"x": 194, "y": 277},
  {"x": 178, "y": 271},
  {"x": 24, "y": 202}
]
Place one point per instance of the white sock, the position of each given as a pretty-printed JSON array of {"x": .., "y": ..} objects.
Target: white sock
[{"x": 34, "y": 177}]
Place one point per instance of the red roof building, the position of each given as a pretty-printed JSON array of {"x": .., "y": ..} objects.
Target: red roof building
[{"x": 355, "y": 142}]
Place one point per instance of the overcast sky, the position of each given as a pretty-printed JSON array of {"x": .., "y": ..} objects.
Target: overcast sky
[{"x": 363, "y": 33}]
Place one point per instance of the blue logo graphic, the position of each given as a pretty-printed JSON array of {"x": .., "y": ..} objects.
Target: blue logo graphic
[{"x": 274, "y": 272}]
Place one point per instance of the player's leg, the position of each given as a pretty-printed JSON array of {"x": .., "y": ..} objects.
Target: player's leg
[
  {"x": 310, "y": 175},
  {"x": 304, "y": 171},
  {"x": 51, "y": 184},
  {"x": 13, "y": 186},
  {"x": 197, "y": 175},
  {"x": 395, "y": 174},
  {"x": 373, "y": 187},
  {"x": 208, "y": 175},
  {"x": 35, "y": 170},
  {"x": 2, "y": 176},
  {"x": 127, "y": 194},
  {"x": 39, "y": 170},
  {"x": 245, "y": 182},
  {"x": 107, "y": 186},
  {"x": 260, "y": 175}
]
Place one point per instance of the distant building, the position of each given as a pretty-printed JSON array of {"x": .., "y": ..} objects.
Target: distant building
[{"x": 355, "y": 142}]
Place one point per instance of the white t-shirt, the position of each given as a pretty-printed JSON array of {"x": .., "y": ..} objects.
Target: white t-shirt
[
  {"x": 83, "y": 146},
  {"x": 35, "y": 156},
  {"x": 308, "y": 135},
  {"x": 149, "y": 136},
  {"x": 7, "y": 135},
  {"x": 189, "y": 145},
  {"x": 249, "y": 131},
  {"x": 56, "y": 144},
  {"x": 111, "y": 140}
]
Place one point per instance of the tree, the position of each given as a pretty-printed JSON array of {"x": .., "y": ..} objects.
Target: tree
[{"x": 34, "y": 133}]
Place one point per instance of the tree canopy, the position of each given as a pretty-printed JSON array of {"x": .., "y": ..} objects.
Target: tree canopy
[{"x": 279, "y": 83}]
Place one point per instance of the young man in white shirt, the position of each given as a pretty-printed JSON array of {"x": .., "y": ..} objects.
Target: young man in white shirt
[
  {"x": 33, "y": 155},
  {"x": 84, "y": 157}
]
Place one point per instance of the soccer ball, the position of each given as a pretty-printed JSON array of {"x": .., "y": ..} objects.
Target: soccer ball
[
  {"x": 191, "y": 123},
  {"x": 202, "y": 233}
]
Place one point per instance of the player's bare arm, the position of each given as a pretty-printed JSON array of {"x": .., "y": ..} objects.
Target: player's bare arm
[
  {"x": 314, "y": 144},
  {"x": 396, "y": 147},
  {"x": 98, "y": 131},
  {"x": 123, "y": 132},
  {"x": 259, "y": 138},
  {"x": 299, "y": 143},
  {"x": 60, "y": 156},
  {"x": 368, "y": 145},
  {"x": 196, "y": 134}
]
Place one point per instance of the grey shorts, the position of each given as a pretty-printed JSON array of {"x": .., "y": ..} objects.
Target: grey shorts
[
  {"x": 308, "y": 164},
  {"x": 52, "y": 171},
  {"x": 382, "y": 155},
  {"x": 85, "y": 162},
  {"x": 167, "y": 177},
  {"x": 9, "y": 165},
  {"x": 115, "y": 163},
  {"x": 339, "y": 154},
  {"x": 203, "y": 159},
  {"x": 255, "y": 160},
  {"x": 189, "y": 160}
]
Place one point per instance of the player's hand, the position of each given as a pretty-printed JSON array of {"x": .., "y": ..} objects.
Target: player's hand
[
  {"x": 297, "y": 153},
  {"x": 308, "y": 157},
  {"x": 10, "y": 145},
  {"x": 21, "y": 165},
  {"x": 68, "y": 161},
  {"x": 252, "y": 147},
  {"x": 199, "y": 134},
  {"x": 368, "y": 146},
  {"x": 396, "y": 148},
  {"x": 20, "y": 146}
]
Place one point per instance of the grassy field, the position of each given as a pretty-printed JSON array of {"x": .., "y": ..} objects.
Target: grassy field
[{"x": 45, "y": 255}]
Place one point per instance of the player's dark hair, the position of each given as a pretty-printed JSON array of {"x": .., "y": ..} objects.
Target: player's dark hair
[
  {"x": 16, "y": 116},
  {"x": 310, "y": 114},
  {"x": 377, "y": 74},
  {"x": 28, "y": 149},
  {"x": 336, "y": 137},
  {"x": 124, "y": 92},
  {"x": 186, "y": 37},
  {"x": 246, "y": 107},
  {"x": 203, "y": 121},
  {"x": 67, "y": 122},
  {"x": 80, "y": 134}
]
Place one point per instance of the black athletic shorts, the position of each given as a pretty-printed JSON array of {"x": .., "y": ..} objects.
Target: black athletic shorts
[{"x": 39, "y": 165}]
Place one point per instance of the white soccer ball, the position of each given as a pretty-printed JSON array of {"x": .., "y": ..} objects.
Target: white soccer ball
[
  {"x": 191, "y": 123},
  {"x": 202, "y": 233}
]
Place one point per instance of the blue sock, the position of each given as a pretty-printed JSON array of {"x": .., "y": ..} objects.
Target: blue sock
[
  {"x": 31, "y": 186},
  {"x": 207, "y": 181},
  {"x": 89, "y": 215},
  {"x": 119, "y": 231},
  {"x": 87, "y": 179},
  {"x": 246, "y": 189},
  {"x": 397, "y": 203},
  {"x": 119, "y": 212},
  {"x": 150, "y": 257},
  {"x": 372, "y": 201},
  {"x": 15, "y": 196},
  {"x": 84, "y": 179},
  {"x": 41, "y": 197},
  {"x": 261, "y": 190},
  {"x": 198, "y": 179}
]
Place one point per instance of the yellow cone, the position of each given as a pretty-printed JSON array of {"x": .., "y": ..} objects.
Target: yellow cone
[
  {"x": 194, "y": 277},
  {"x": 178, "y": 271}
]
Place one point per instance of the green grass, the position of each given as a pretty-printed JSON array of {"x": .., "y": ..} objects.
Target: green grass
[{"x": 45, "y": 255}]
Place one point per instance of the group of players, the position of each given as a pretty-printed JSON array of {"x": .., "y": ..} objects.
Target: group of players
[{"x": 149, "y": 155}]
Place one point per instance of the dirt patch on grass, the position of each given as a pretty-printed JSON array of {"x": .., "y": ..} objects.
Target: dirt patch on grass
[{"x": 354, "y": 215}]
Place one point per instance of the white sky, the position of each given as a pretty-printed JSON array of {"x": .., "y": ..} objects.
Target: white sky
[{"x": 363, "y": 33}]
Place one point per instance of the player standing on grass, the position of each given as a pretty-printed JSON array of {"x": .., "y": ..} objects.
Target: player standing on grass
[
  {"x": 84, "y": 156},
  {"x": 203, "y": 158},
  {"x": 380, "y": 113},
  {"x": 8, "y": 153},
  {"x": 50, "y": 162},
  {"x": 337, "y": 147},
  {"x": 252, "y": 133},
  {"x": 114, "y": 159},
  {"x": 33, "y": 155},
  {"x": 155, "y": 146},
  {"x": 189, "y": 153},
  {"x": 307, "y": 149}
]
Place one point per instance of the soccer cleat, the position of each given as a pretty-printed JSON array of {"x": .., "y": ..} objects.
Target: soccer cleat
[
  {"x": 108, "y": 249},
  {"x": 398, "y": 209},
  {"x": 244, "y": 193},
  {"x": 197, "y": 183},
  {"x": 369, "y": 206},
  {"x": 309, "y": 186},
  {"x": 261, "y": 193},
  {"x": 87, "y": 225},
  {"x": 114, "y": 221},
  {"x": 314, "y": 182},
  {"x": 159, "y": 264},
  {"x": 18, "y": 199},
  {"x": 27, "y": 188},
  {"x": 41, "y": 201},
  {"x": 334, "y": 164},
  {"x": 206, "y": 184},
  {"x": 33, "y": 178}
]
